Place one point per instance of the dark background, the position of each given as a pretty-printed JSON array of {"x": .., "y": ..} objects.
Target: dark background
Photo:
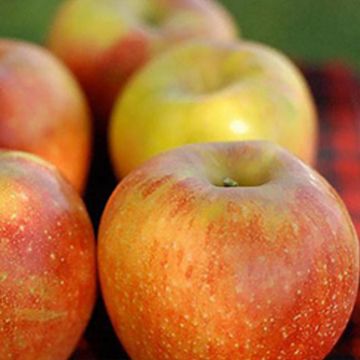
[{"x": 315, "y": 31}]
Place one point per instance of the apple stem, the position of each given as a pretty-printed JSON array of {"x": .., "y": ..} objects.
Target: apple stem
[{"x": 228, "y": 182}]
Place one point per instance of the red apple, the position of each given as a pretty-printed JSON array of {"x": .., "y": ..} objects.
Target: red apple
[
  {"x": 47, "y": 261},
  {"x": 105, "y": 41},
  {"x": 227, "y": 251},
  {"x": 42, "y": 109}
]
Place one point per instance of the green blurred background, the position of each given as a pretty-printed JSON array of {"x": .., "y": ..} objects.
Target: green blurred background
[{"x": 315, "y": 31}]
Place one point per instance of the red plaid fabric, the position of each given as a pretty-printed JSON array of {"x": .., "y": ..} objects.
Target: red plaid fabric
[{"x": 337, "y": 94}]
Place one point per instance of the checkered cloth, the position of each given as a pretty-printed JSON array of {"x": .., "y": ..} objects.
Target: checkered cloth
[{"x": 337, "y": 93}]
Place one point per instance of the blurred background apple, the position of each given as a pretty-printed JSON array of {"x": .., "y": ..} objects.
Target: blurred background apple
[
  {"x": 43, "y": 110},
  {"x": 105, "y": 42}
]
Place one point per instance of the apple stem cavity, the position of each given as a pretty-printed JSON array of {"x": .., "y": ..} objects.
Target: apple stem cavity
[{"x": 228, "y": 182}]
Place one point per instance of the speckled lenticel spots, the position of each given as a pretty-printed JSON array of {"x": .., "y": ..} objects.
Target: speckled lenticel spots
[
  {"x": 47, "y": 261},
  {"x": 192, "y": 271}
]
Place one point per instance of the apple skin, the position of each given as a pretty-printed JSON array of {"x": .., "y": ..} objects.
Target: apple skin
[
  {"x": 47, "y": 261},
  {"x": 192, "y": 270},
  {"x": 210, "y": 92},
  {"x": 43, "y": 110},
  {"x": 105, "y": 42}
]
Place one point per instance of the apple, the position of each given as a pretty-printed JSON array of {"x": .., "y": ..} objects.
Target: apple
[
  {"x": 227, "y": 251},
  {"x": 43, "y": 110},
  {"x": 206, "y": 91},
  {"x": 104, "y": 42},
  {"x": 47, "y": 261}
]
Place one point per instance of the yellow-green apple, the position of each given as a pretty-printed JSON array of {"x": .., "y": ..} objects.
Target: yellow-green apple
[
  {"x": 210, "y": 91},
  {"x": 227, "y": 251},
  {"x": 105, "y": 41},
  {"x": 43, "y": 110},
  {"x": 47, "y": 261}
]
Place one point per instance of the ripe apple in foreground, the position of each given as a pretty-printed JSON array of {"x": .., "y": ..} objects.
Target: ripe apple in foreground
[
  {"x": 42, "y": 109},
  {"x": 47, "y": 261},
  {"x": 227, "y": 251},
  {"x": 105, "y": 41},
  {"x": 209, "y": 91}
]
